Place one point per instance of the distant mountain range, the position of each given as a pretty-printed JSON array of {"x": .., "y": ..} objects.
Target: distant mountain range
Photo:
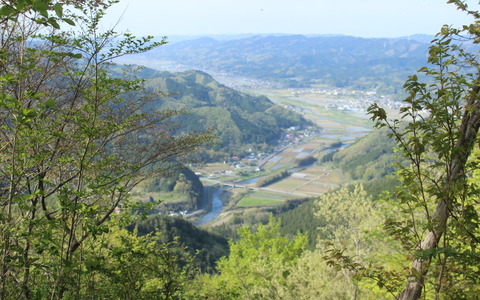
[
  {"x": 380, "y": 64},
  {"x": 424, "y": 38},
  {"x": 240, "y": 121}
]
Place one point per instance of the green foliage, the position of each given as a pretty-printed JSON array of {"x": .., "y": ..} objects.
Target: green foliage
[
  {"x": 353, "y": 257},
  {"x": 346, "y": 217},
  {"x": 312, "y": 278},
  {"x": 352, "y": 242},
  {"x": 302, "y": 220},
  {"x": 45, "y": 12},
  {"x": 301, "y": 162},
  {"x": 74, "y": 142},
  {"x": 207, "y": 247},
  {"x": 264, "y": 181},
  {"x": 436, "y": 214},
  {"x": 371, "y": 157},
  {"x": 378, "y": 187},
  {"x": 181, "y": 184},
  {"x": 239, "y": 120},
  {"x": 302, "y": 217},
  {"x": 121, "y": 265},
  {"x": 267, "y": 265},
  {"x": 258, "y": 266}
]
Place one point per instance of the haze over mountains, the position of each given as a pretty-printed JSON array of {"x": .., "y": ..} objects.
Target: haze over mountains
[
  {"x": 172, "y": 39},
  {"x": 379, "y": 64}
]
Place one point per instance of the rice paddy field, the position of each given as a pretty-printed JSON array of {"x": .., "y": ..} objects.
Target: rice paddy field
[
  {"x": 309, "y": 183},
  {"x": 264, "y": 198},
  {"x": 306, "y": 182}
]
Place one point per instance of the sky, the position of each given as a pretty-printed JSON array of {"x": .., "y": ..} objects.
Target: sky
[{"x": 362, "y": 18}]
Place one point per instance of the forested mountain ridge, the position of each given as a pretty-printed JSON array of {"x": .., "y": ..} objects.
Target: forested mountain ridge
[
  {"x": 369, "y": 158},
  {"x": 182, "y": 185},
  {"x": 341, "y": 61},
  {"x": 238, "y": 119},
  {"x": 206, "y": 246}
]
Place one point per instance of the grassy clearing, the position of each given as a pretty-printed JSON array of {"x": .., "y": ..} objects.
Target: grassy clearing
[{"x": 263, "y": 198}]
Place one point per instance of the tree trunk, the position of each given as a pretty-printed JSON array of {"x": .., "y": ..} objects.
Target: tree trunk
[{"x": 468, "y": 135}]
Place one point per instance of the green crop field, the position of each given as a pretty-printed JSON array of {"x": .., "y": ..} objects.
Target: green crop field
[
  {"x": 263, "y": 198},
  {"x": 255, "y": 201}
]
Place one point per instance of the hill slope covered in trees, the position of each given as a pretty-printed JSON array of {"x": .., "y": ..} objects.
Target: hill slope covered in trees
[{"x": 239, "y": 120}]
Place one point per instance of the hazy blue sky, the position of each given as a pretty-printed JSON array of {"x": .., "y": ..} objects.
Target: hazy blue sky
[{"x": 364, "y": 18}]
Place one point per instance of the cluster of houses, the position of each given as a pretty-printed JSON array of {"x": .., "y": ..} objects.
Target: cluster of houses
[
  {"x": 293, "y": 136},
  {"x": 329, "y": 91},
  {"x": 173, "y": 213},
  {"x": 363, "y": 104},
  {"x": 362, "y": 99},
  {"x": 239, "y": 83},
  {"x": 253, "y": 161}
]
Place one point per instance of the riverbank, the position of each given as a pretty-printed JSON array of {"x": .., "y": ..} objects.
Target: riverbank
[{"x": 215, "y": 211}]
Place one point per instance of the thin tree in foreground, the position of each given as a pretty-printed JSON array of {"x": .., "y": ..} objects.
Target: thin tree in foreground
[{"x": 439, "y": 225}]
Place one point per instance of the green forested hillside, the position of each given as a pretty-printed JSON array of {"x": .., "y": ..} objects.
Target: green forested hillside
[
  {"x": 239, "y": 120},
  {"x": 207, "y": 247},
  {"x": 301, "y": 220},
  {"x": 180, "y": 185},
  {"x": 368, "y": 158}
]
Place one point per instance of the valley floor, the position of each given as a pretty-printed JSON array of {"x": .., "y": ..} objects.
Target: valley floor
[{"x": 339, "y": 128}]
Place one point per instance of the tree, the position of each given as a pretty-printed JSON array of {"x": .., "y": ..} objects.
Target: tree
[
  {"x": 258, "y": 266},
  {"x": 439, "y": 225},
  {"x": 123, "y": 265},
  {"x": 349, "y": 240},
  {"x": 44, "y": 12},
  {"x": 74, "y": 140}
]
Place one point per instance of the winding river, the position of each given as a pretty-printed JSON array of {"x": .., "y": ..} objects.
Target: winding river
[
  {"x": 217, "y": 206},
  {"x": 351, "y": 134}
]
